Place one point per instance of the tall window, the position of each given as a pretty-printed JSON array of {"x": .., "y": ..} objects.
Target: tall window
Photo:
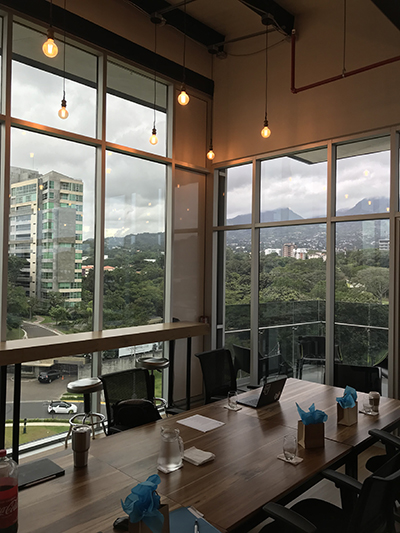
[
  {"x": 293, "y": 252},
  {"x": 59, "y": 191}
]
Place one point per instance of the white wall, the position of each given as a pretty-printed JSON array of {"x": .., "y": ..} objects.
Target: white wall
[{"x": 357, "y": 104}]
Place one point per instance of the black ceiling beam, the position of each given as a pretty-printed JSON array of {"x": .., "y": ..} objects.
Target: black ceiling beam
[
  {"x": 283, "y": 19},
  {"x": 193, "y": 28},
  {"x": 391, "y": 9},
  {"x": 92, "y": 33}
]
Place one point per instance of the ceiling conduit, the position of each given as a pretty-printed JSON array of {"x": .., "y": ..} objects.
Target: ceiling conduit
[{"x": 345, "y": 74}]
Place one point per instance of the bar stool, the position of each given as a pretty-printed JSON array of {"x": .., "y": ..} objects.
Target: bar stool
[
  {"x": 86, "y": 387},
  {"x": 152, "y": 364}
]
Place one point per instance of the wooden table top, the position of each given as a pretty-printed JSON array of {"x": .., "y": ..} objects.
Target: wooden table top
[
  {"x": 230, "y": 490},
  {"x": 324, "y": 397}
]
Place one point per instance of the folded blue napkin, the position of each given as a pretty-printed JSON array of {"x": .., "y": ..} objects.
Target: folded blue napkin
[
  {"x": 314, "y": 416},
  {"x": 143, "y": 504},
  {"x": 348, "y": 399}
]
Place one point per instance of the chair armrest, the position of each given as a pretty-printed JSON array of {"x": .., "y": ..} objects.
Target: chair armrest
[
  {"x": 288, "y": 517},
  {"x": 343, "y": 481},
  {"x": 385, "y": 437},
  {"x": 349, "y": 488}
]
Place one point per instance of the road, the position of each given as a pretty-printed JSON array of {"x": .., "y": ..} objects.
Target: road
[
  {"x": 36, "y": 330},
  {"x": 35, "y": 396}
]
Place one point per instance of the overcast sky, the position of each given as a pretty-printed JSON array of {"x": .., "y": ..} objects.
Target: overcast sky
[
  {"x": 135, "y": 188},
  {"x": 286, "y": 182}
]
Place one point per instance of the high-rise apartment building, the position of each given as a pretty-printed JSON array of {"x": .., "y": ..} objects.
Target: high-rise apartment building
[{"x": 46, "y": 220}]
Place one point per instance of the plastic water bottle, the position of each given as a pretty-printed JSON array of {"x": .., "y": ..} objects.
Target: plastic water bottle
[{"x": 8, "y": 494}]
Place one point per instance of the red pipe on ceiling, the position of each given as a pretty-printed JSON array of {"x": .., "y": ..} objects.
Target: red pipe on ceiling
[{"x": 345, "y": 74}]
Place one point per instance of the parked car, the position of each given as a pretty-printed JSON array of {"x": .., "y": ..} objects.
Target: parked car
[
  {"x": 48, "y": 376},
  {"x": 58, "y": 406}
]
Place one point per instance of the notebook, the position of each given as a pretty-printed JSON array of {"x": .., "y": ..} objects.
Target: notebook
[
  {"x": 269, "y": 393},
  {"x": 30, "y": 474}
]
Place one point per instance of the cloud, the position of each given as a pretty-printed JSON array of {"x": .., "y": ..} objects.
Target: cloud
[{"x": 135, "y": 188}]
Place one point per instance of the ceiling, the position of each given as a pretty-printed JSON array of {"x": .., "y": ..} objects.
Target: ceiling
[
  {"x": 223, "y": 20},
  {"x": 214, "y": 21}
]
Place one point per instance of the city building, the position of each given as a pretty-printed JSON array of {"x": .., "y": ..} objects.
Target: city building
[{"x": 46, "y": 221}]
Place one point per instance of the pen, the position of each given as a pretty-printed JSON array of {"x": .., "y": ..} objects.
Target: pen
[{"x": 196, "y": 527}]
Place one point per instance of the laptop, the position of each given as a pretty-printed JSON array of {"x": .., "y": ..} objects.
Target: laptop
[{"x": 269, "y": 393}]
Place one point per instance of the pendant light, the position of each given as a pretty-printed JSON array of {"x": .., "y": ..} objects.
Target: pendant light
[
  {"x": 153, "y": 139},
  {"x": 63, "y": 113},
  {"x": 210, "y": 153},
  {"x": 50, "y": 49},
  {"x": 183, "y": 97},
  {"x": 266, "y": 132}
]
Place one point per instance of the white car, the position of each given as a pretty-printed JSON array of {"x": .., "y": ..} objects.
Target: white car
[{"x": 62, "y": 407}]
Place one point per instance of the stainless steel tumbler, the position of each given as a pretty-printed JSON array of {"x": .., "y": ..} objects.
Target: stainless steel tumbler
[{"x": 81, "y": 445}]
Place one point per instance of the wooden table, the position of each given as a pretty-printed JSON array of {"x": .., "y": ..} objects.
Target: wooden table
[
  {"x": 230, "y": 491},
  {"x": 324, "y": 398}
]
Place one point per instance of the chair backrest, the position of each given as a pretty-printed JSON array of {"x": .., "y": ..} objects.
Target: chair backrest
[
  {"x": 241, "y": 358},
  {"x": 125, "y": 385},
  {"x": 362, "y": 378},
  {"x": 218, "y": 373},
  {"x": 129, "y": 414},
  {"x": 267, "y": 365},
  {"x": 373, "y": 512},
  {"x": 312, "y": 347}
]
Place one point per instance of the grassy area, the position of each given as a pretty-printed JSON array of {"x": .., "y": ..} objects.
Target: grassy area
[
  {"x": 15, "y": 334},
  {"x": 34, "y": 433}
]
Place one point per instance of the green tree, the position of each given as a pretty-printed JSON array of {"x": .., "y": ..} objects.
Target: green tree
[{"x": 375, "y": 280}]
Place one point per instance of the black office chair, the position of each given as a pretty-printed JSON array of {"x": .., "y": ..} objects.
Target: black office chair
[
  {"x": 128, "y": 414},
  {"x": 361, "y": 378},
  {"x": 241, "y": 361},
  {"x": 129, "y": 384},
  {"x": 392, "y": 446},
  {"x": 312, "y": 350},
  {"x": 218, "y": 374},
  {"x": 366, "y": 507}
]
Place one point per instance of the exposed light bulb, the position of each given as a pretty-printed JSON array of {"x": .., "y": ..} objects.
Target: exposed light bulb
[
  {"x": 210, "y": 153},
  {"x": 183, "y": 97},
  {"x": 50, "y": 49},
  {"x": 63, "y": 113},
  {"x": 265, "y": 132},
  {"x": 153, "y": 139}
]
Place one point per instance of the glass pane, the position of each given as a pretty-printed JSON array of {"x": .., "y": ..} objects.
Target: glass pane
[
  {"x": 238, "y": 195},
  {"x": 130, "y": 109},
  {"x": 362, "y": 292},
  {"x": 134, "y": 241},
  {"x": 51, "y": 230},
  {"x": 37, "y": 83},
  {"x": 363, "y": 175},
  {"x": 294, "y": 187},
  {"x": 292, "y": 289},
  {"x": 237, "y": 295}
]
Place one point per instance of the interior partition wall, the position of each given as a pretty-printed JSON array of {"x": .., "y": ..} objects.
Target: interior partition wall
[
  {"x": 305, "y": 259},
  {"x": 92, "y": 211}
]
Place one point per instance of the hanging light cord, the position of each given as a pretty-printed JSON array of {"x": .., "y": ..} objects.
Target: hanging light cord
[
  {"x": 344, "y": 36},
  {"x": 155, "y": 74},
  {"x": 65, "y": 7},
  {"x": 266, "y": 71},
  {"x": 184, "y": 46},
  {"x": 212, "y": 99},
  {"x": 51, "y": 13}
]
